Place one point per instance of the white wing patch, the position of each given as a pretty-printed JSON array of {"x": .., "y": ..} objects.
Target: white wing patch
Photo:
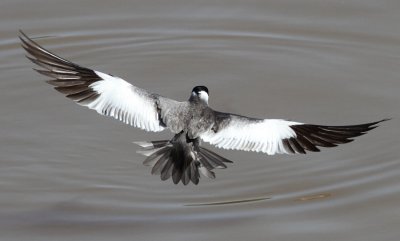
[
  {"x": 253, "y": 135},
  {"x": 125, "y": 102}
]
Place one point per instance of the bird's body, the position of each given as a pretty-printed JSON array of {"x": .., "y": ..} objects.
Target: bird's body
[
  {"x": 191, "y": 121},
  {"x": 182, "y": 158}
]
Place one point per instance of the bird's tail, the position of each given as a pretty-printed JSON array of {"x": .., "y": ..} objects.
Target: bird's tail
[{"x": 182, "y": 162}]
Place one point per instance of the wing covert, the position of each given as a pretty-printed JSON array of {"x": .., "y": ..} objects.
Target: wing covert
[{"x": 248, "y": 134}]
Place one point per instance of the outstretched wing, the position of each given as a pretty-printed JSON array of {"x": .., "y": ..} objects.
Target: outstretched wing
[
  {"x": 108, "y": 95},
  {"x": 275, "y": 136}
]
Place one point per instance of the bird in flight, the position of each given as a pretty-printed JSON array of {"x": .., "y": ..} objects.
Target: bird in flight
[{"x": 191, "y": 121}]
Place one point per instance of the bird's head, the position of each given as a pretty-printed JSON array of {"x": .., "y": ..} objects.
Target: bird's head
[{"x": 199, "y": 93}]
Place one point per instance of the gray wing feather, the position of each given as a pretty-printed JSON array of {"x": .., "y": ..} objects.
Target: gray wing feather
[{"x": 174, "y": 114}]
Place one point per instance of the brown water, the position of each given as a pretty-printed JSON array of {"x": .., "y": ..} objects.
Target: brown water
[{"x": 67, "y": 173}]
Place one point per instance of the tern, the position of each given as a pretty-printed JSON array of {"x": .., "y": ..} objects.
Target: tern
[{"x": 191, "y": 121}]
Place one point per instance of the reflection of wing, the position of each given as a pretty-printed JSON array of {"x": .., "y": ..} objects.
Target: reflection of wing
[
  {"x": 108, "y": 95},
  {"x": 273, "y": 136}
]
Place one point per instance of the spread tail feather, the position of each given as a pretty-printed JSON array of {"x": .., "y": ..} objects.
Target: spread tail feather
[{"x": 182, "y": 162}]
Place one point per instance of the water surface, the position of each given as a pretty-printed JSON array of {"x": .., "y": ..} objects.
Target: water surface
[{"x": 67, "y": 173}]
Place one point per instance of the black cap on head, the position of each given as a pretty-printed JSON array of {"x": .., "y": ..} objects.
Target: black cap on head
[{"x": 197, "y": 89}]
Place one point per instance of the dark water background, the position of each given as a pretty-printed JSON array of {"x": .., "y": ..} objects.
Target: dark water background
[{"x": 67, "y": 173}]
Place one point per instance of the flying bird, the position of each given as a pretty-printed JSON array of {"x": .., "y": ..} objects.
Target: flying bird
[{"x": 191, "y": 121}]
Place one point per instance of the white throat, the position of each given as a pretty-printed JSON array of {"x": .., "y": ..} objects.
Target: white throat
[{"x": 203, "y": 96}]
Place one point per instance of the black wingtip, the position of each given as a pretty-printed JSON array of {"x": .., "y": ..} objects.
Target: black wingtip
[
  {"x": 311, "y": 136},
  {"x": 21, "y": 33},
  {"x": 383, "y": 120},
  {"x": 24, "y": 37}
]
